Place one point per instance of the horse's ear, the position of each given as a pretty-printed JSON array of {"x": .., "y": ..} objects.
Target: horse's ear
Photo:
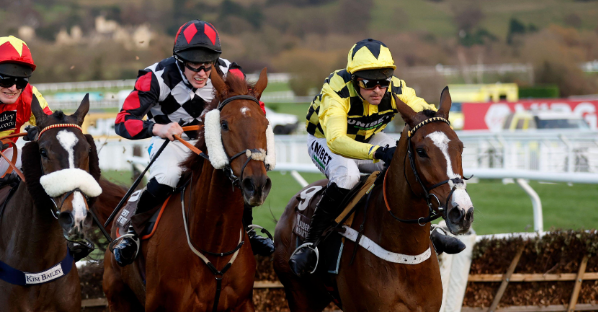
[
  {"x": 445, "y": 104},
  {"x": 407, "y": 113},
  {"x": 82, "y": 110},
  {"x": 218, "y": 84},
  {"x": 261, "y": 84},
  {"x": 38, "y": 112}
]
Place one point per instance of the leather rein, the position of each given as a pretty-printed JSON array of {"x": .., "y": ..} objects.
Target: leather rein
[{"x": 432, "y": 215}]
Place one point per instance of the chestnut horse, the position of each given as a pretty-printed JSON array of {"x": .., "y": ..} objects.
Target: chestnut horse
[
  {"x": 198, "y": 258},
  {"x": 49, "y": 207},
  {"x": 426, "y": 168}
]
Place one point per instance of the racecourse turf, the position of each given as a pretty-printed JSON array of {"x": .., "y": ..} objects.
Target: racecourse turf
[{"x": 499, "y": 208}]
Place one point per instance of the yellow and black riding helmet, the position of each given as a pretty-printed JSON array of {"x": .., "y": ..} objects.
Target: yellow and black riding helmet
[{"x": 370, "y": 59}]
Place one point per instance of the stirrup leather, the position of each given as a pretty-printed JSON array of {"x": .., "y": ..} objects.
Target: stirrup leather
[
  {"x": 119, "y": 239},
  {"x": 312, "y": 247}
]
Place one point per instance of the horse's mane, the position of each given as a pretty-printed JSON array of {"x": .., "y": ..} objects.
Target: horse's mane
[
  {"x": 235, "y": 85},
  {"x": 428, "y": 113}
]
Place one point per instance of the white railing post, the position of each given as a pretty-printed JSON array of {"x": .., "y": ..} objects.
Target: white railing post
[{"x": 536, "y": 203}]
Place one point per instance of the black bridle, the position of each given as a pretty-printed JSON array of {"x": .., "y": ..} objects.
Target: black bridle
[
  {"x": 228, "y": 170},
  {"x": 432, "y": 215}
]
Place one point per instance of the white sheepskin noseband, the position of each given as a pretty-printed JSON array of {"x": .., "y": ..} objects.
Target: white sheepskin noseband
[
  {"x": 66, "y": 180},
  {"x": 213, "y": 137},
  {"x": 271, "y": 153}
]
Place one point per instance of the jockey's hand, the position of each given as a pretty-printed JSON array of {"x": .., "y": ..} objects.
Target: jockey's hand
[
  {"x": 167, "y": 131},
  {"x": 32, "y": 133},
  {"x": 385, "y": 154}
]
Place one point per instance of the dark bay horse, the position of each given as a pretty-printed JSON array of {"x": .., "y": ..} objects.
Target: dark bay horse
[
  {"x": 177, "y": 277},
  {"x": 61, "y": 172},
  {"x": 372, "y": 283}
]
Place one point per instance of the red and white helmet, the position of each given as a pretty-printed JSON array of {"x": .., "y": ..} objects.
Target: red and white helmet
[
  {"x": 15, "y": 57},
  {"x": 198, "y": 42}
]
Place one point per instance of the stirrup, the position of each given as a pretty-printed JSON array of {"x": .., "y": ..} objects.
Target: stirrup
[
  {"x": 117, "y": 241},
  {"x": 315, "y": 249},
  {"x": 263, "y": 230}
]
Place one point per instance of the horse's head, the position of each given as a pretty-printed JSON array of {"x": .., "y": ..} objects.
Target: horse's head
[
  {"x": 237, "y": 131},
  {"x": 435, "y": 152},
  {"x": 66, "y": 157}
]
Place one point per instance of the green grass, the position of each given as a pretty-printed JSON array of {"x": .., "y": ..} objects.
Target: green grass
[
  {"x": 298, "y": 109},
  {"x": 437, "y": 17},
  {"x": 499, "y": 208}
]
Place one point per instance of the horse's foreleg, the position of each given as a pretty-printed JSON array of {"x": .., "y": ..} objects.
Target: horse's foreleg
[
  {"x": 246, "y": 307},
  {"x": 120, "y": 296}
]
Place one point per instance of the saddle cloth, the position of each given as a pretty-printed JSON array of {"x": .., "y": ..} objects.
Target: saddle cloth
[
  {"x": 124, "y": 218},
  {"x": 331, "y": 249}
]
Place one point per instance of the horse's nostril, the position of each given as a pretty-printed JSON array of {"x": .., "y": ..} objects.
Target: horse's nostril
[
  {"x": 248, "y": 185},
  {"x": 456, "y": 215},
  {"x": 66, "y": 219},
  {"x": 469, "y": 214}
]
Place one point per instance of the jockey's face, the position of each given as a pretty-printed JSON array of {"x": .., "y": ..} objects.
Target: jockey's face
[
  {"x": 373, "y": 96},
  {"x": 10, "y": 95},
  {"x": 198, "y": 79}
]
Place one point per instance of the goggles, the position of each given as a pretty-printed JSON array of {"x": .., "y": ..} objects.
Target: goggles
[
  {"x": 206, "y": 67},
  {"x": 370, "y": 84},
  {"x": 9, "y": 81}
]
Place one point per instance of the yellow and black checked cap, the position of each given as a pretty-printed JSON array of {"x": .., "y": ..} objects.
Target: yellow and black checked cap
[{"x": 369, "y": 54}]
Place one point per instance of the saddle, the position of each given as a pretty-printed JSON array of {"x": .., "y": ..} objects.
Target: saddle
[
  {"x": 331, "y": 248},
  {"x": 124, "y": 218}
]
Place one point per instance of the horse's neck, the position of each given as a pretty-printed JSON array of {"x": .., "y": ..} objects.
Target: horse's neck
[
  {"x": 28, "y": 232},
  {"x": 400, "y": 237},
  {"x": 216, "y": 211}
]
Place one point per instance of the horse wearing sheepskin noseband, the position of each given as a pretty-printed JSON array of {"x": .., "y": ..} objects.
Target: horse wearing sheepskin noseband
[{"x": 34, "y": 174}]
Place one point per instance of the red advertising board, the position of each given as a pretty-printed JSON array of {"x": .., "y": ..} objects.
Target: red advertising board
[{"x": 491, "y": 116}]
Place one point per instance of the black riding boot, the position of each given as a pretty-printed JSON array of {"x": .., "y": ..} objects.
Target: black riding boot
[
  {"x": 263, "y": 246},
  {"x": 443, "y": 242},
  {"x": 303, "y": 261},
  {"x": 155, "y": 194}
]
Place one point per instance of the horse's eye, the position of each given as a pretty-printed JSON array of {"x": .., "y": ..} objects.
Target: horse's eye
[
  {"x": 225, "y": 126},
  {"x": 421, "y": 152},
  {"x": 43, "y": 152}
]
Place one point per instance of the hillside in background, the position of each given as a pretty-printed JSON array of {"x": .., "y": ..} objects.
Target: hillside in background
[{"x": 99, "y": 39}]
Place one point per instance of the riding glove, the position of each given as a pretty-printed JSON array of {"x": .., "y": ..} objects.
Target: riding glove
[
  {"x": 385, "y": 153},
  {"x": 32, "y": 133}
]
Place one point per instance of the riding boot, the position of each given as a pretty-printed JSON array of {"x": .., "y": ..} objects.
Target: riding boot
[
  {"x": 154, "y": 195},
  {"x": 304, "y": 259},
  {"x": 443, "y": 242},
  {"x": 80, "y": 249},
  {"x": 263, "y": 246}
]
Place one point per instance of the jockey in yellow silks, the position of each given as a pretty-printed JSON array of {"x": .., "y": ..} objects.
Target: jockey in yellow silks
[{"x": 345, "y": 123}]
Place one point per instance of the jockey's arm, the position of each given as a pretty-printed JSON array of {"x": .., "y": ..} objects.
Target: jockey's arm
[
  {"x": 333, "y": 118},
  {"x": 42, "y": 102},
  {"x": 409, "y": 97},
  {"x": 129, "y": 121}
]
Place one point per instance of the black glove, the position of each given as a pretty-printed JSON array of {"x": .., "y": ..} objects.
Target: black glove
[
  {"x": 32, "y": 133},
  {"x": 385, "y": 153}
]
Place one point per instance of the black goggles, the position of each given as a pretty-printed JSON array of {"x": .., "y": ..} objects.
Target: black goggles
[
  {"x": 206, "y": 67},
  {"x": 9, "y": 81},
  {"x": 370, "y": 84}
]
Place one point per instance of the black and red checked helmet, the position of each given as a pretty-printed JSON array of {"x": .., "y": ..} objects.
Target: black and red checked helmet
[{"x": 198, "y": 42}]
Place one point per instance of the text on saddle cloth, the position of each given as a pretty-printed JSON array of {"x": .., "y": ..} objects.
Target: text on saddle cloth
[{"x": 124, "y": 217}]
